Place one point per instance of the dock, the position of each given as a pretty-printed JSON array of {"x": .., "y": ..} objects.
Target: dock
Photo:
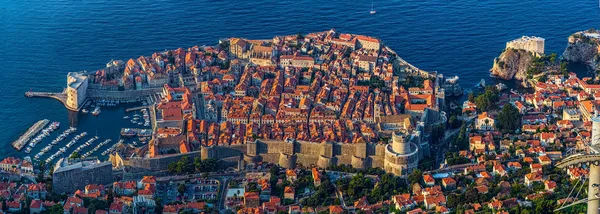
[
  {"x": 131, "y": 132},
  {"x": 137, "y": 108},
  {"x": 61, "y": 96},
  {"x": 33, "y": 130}
]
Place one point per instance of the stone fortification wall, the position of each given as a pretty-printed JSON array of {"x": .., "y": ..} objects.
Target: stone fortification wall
[{"x": 360, "y": 155}]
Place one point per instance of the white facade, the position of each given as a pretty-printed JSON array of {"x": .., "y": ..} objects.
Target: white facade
[{"x": 531, "y": 44}]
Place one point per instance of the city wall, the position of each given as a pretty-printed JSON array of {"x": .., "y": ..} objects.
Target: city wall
[{"x": 322, "y": 155}]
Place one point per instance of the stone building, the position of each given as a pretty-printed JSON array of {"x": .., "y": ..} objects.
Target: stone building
[
  {"x": 532, "y": 44},
  {"x": 399, "y": 157},
  {"x": 72, "y": 175},
  {"x": 114, "y": 67},
  {"x": 77, "y": 84}
]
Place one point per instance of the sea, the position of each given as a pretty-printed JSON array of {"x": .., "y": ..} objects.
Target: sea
[{"x": 42, "y": 40}]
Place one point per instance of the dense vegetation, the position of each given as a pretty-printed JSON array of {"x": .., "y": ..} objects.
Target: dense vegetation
[
  {"x": 185, "y": 166},
  {"x": 486, "y": 101},
  {"x": 509, "y": 118}
]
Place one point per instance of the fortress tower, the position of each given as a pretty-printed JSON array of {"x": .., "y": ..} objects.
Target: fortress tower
[
  {"x": 401, "y": 156},
  {"x": 77, "y": 85},
  {"x": 399, "y": 145},
  {"x": 532, "y": 44}
]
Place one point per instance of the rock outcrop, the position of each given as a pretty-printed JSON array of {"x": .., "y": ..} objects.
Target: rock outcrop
[
  {"x": 511, "y": 64},
  {"x": 580, "y": 52},
  {"x": 584, "y": 47}
]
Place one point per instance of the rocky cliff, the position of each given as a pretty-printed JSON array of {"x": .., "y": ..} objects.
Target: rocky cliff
[
  {"x": 583, "y": 47},
  {"x": 511, "y": 64},
  {"x": 580, "y": 52}
]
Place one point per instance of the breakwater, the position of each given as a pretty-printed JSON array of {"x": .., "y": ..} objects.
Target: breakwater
[{"x": 33, "y": 130}]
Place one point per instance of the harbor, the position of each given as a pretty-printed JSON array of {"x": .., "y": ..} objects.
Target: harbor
[{"x": 48, "y": 141}]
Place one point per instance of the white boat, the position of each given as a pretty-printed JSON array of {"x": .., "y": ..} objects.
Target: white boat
[
  {"x": 372, "y": 10},
  {"x": 501, "y": 86},
  {"x": 85, "y": 111},
  {"x": 126, "y": 117},
  {"x": 481, "y": 84},
  {"x": 96, "y": 111}
]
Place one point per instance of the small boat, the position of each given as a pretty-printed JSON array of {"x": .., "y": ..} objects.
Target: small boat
[
  {"x": 128, "y": 132},
  {"x": 85, "y": 111},
  {"x": 501, "y": 86},
  {"x": 372, "y": 10},
  {"x": 481, "y": 84},
  {"x": 96, "y": 111},
  {"x": 126, "y": 117}
]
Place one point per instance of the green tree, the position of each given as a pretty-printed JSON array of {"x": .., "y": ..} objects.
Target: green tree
[
  {"x": 563, "y": 68},
  {"x": 461, "y": 141},
  {"x": 454, "y": 122},
  {"x": 40, "y": 175},
  {"x": 181, "y": 188},
  {"x": 56, "y": 209},
  {"x": 509, "y": 118},
  {"x": 415, "y": 177},
  {"x": 471, "y": 97},
  {"x": 75, "y": 155},
  {"x": 487, "y": 100}
]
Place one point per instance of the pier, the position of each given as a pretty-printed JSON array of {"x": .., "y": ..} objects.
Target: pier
[
  {"x": 132, "y": 132},
  {"x": 33, "y": 130},
  {"x": 62, "y": 96},
  {"x": 137, "y": 108}
]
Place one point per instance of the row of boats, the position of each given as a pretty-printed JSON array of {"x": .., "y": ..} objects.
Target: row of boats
[
  {"x": 82, "y": 146},
  {"x": 55, "y": 142},
  {"x": 58, "y": 140},
  {"x": 44, "y": 133},
  {"x": 109, "y": 150},
  {"x": 96, "y": 148},
  {"x": 107, "y": 103}
]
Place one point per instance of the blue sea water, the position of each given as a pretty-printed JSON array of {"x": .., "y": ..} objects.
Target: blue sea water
[{"x": 40, "y": 41}]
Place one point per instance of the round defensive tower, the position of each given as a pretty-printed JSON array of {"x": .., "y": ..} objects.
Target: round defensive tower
[
  {"x": 402, "y": 156},
  {"x": 399, "y": 145}
]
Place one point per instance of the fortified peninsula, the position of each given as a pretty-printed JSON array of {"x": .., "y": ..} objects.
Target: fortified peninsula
[{"x": 320, "y": 99}]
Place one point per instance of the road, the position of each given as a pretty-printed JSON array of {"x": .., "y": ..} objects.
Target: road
[
  {"x": 444, "y": 146},
  {"x": 222, "y": 194}
]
